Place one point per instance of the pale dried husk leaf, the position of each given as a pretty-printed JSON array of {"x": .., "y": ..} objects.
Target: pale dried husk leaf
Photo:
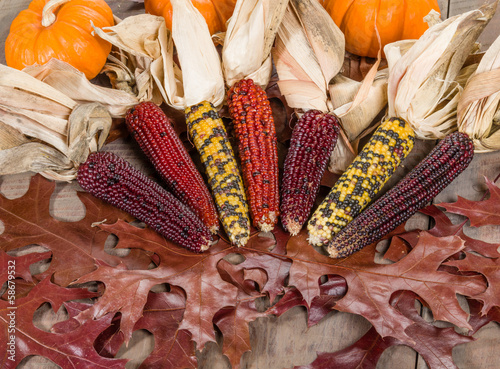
[
  {"x": 73, "y": 84},
  {"x": 137, "y": 44},
  {"x": 309, "y": 54},
  {"x": 423, "y": 87},
  {"x": 478, "y": 111},
  {"x": 143, "y": 61},
  {"x": 44, "y": 130},
  {"x": 202, "y": 78},
  {"x": 249, "y": 38}
]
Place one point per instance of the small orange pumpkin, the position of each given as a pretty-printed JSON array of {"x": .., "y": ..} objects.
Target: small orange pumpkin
[
  {"x": 60, "y": 29},
  {"x": 215, "y": 12},
  {"x": 395, "y": 20}
]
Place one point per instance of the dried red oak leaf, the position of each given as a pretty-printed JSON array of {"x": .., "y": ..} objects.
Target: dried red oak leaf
[
  {"x": 480, "y": 213},
  {"x": 233, "y": 324},
  {"x": 161, "y": 316},
  {"x": 75, "y": 246},
  {"x": 19, "y": 266},
  {"x": 444, "y": 227},
  {"x": 331, "y": 290},
  {"x": 371, "y": 285},
  {"x": 433, "y": 343},
  {"x": 490, "y": 268},
  {"x": 68, "y": 350},
  {"x": 197, "y": 274}
]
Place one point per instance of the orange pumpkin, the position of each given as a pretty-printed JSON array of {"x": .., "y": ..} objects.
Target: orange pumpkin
[
  {"x": 394, "y": 19},
  {"x": 60, "y": 29},
  {"x": 215, "y": 12}
]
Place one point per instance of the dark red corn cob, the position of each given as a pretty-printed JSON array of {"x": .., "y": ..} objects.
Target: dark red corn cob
[
  {"x": 313, "y": 139},
  {"x": 438, "y": 169},
  {"x": 155, "y": 134},
  {"x": 112, "y": 179},
  {"x": 254, "y": 128}
]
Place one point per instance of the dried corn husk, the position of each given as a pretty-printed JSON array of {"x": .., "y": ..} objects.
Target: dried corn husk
[
  {"x": 423, "y": 86},
  {"x": 478, "y": 111},
  {"x": 143, "y": 61},
  {"x": 72, "y": 83},
  {"x": 43, "y": 130},
  {"x": 199, "y": 60},
  {"x": 136, "y": 61},
  {"x": 249, "y": 38},
  {"x": 309, "y": 55}
]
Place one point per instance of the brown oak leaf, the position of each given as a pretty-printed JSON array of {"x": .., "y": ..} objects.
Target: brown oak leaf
[
  {"x": 71, "y": 349},
  {"x": 444, "y": 227},
  {"x": 490, "y": 268},
  {"x": 162, "y": 314},
  {"x": 433, "y": 343},
  {"x": 75, "y": 246},
  {"x": 233, "y": 324},
  {"x": 370, "y": 286},
  {"x": 197, "y": 274},
  {"x": 483, "y": 212},
  {"x": 19, "y": 266}
]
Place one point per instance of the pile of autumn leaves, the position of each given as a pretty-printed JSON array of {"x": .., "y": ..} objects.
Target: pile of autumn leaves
[{"x": 109, "y": 297}]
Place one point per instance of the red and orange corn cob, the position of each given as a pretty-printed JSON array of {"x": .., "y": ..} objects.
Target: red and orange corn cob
[
  {"x": 444, "y": 163},
  {"x": 112, "y": 179},
  {"x": 254, "y": 127},
  {"x": 155, "y": 134},
  {"x": 313, "y": 139}
]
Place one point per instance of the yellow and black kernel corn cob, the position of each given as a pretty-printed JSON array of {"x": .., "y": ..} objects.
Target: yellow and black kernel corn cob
[
  {"x": 444, "y": 163},
  {"x": 362, "y": 180},
  {"x": 253, "y": 123},
  {"x": 210, "y": 138}
]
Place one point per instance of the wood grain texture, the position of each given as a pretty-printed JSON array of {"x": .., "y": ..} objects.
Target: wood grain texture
[{"x": 285, "y": 341}]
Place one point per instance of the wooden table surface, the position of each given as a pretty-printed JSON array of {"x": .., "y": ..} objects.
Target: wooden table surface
[{"x": 285, "y": 341}]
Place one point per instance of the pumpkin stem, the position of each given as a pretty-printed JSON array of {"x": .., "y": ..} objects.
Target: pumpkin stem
[{"x": 48, "y": 13}]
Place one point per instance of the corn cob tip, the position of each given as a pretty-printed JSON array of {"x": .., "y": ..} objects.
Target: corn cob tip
[
  {"x": 291, "y": 226},
  {"x": 316, "y": 240},
  {"x": 333, "y": 252},
  {"x": 214, "y": 229},
  {"x": 206, "y": 246},
  {"x": 240, "y": 242}
]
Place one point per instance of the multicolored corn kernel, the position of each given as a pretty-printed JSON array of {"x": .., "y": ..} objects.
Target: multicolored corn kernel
[
  {"x": 156, "y": 136},
  {"x": 362, "y": 180},
  {"x": 313, "y": 139},
  {"x": 253, "y": 122},
  {"x": 209, "y": 135},
  {"x": 444, "y": 163},
  {"x": 112, "y": 179}
]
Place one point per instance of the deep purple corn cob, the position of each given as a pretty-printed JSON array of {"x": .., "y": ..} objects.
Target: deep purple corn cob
[
  {"x": 438, "y": 169},
  {"x": 313, "y": 139},
  {"x": 112, "y": 179},
  {"x": 156, "y": 136}
]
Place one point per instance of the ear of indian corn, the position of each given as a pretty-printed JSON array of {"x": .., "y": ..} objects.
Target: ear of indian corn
[
  {"x": 444, "y": 163},
  {"x": 358, "y": 185},
  {"x": 156, "y": 136},
  {"x": 112, "y": 179},
  {"x": 313, "y": 139},
  {"x": 210, "y": 138},
  {"x": 253, "y": 123}
]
